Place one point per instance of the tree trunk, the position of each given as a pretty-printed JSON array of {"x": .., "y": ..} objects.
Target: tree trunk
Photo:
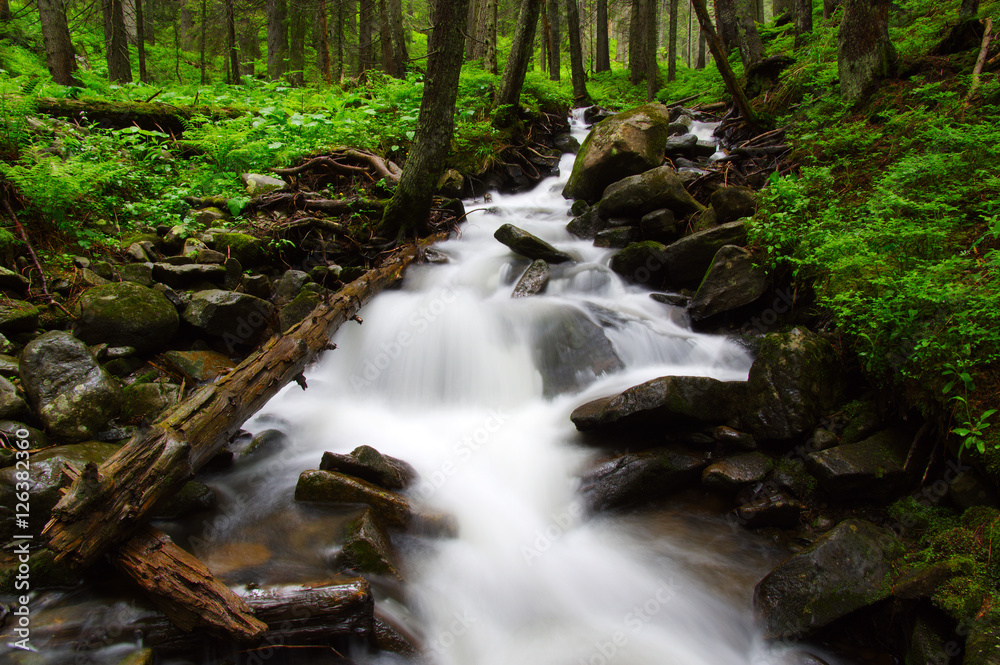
[
  {"x": 969, "y": 10},
  {"x": 751, "y": 48},
  {"x": 700, "y": 64},
  {"x": 636, "y": 43},
  {"x": 58, "y": 46},
  {"x": 249, "y": 47},
  {"x": 652, "y": 70},
  {"x": 116, "y": 42},
  {"x": 803, "y": 17},
  {"x": 722, "y": 62},
  {"x": 4, "y": 11},
  {"x": 690, "y": 20},
  {"x": 474, "y": 31},
  {"x": 366, "y": 25},
  {"x": 149, "y": 24},
  {"x": 602, "y": 51},
  {"x": 321, "y": 40},
  {"x": 297, "y": 42},
  {"x": 864, "y": 52},
  {"x": 490, "y": 35},
  {"x": 398, "y": 36},
  {"x": 725, "y": 17},
  {"x": 411, "y": 202},
  {"x": 231, "y": 45},
  {"x": 580, "y": 95},
  {"x": 672, "y": 42},
  {"x": 204, "y": 41},
  {"x": 779, "y": 7},
  {"x": 186, "y": 27},
  {"x": 555, "y": 40},
  {"x": 102, "y": 509},
  {"x": 338, "y": 39},
  {"x": 520, "y": 53},
  {"x": 277, "y": 38},
  {"x": 140, "y": 26}
]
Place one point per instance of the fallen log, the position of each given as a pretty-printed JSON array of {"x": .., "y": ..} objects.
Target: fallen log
[
  {"x": 106, "y": 504},
  {"x": 117, "y": 115},
  {"x": 297, "y": 201}
]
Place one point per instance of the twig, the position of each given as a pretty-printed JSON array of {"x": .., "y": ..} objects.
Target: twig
[
  {"x": 686, "y": 99},
  {"x": 980, "y": 61},
  {"x": 31, "y": 251},
  {"x": 155, "y": 95}
]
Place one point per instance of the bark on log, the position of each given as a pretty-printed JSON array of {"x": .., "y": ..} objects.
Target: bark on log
[
  {"x": 183, "y": 588},
  {"x": 297, "y": 201},
  {"x": 105, "y": 505}
]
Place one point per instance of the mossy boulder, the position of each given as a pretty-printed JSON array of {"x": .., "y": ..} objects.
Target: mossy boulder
[
  {"x": 617, "y": 237},
  {"x": 368, "y": 464},
  {"x": 795, "y": 380},
  {"x": 72, "y": 394},
  {"x": 529, "y": 245},
  {"x": 45, "y": 478},
  {"x": 199, "y": 366},
  {"x": 637, "y": 478},
  {"x": 298, "y": 309},
  {"x": 17, "y": 316},
  {"x": 732, "y": 281},
  {"x": 846, "y": 569},
  {"x": 236, "y": 317},
  {"x": 11, "y": 403},
  {"x": 126, "y": 314},
  {"x": 688, "y": 259},
  {"x": 246, "y": 249},
  {"x": 624, "y": 144},
  {"x": 148, "y": 400},
  {"x": 390, "y": 508},
  {"x": 982, "y": 647},
  {"x": 367, "y": 547},
  {"x": 641, "y": 263},
  {"x": 588, "y": 224},
  {"x": 651, "y": 190},
  {"x": 44, "y": 572},
  {"x": 732, "y": 203}
]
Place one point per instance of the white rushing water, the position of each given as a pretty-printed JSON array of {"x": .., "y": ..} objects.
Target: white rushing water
[{"x": 475, "y": 389}]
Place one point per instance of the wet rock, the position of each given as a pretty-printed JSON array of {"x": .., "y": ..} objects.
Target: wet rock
[
  {"x": 731, "y": 438},
  {"x": 732, "y": 203},
  {"x": 192, "y": 246},
  {"x": 533, "y": 281},
  {"x": 641, "y": 263},
  {"x": 863, "y": 420},
  {"x": 688, "y": 259},
  {"x": 705, "y": 220},
  {"x": 732, "y": 281},
  {"x": 289, "y": 285},
  {"x": 579, "y": 207},
  {"x": 367, "y": 548},
  {"x": 847, "y": 568},
  {"x": 244, "y": 248},
  {"x": 368, "y": 464},
  {"x": 638, "y": 478},
  {"x": 148, "y": 400},
  {"x": 566, "y": 143},
  {"x": 388, "y": 507},
  {"x": 773, "y": 509},
  {"x": 570, "y": 350},
  {"x": 666, "y": 400},
  {"x": 982, "y": 647},
  {"x": 672, "y": 299},
  {"x": 391, "y": 638},
  {"x": 451, "y": 184},
  {"x": 660, "y": 225},
  {"x": 206, "y": 217},
  {"x": 258, "y": 286},
  {"x": 625, "y": 144},
  {"x": 137, "y": 253},
  {"x": 173, "y": 239},
  {"x": 258, "y": 184},
  {"x": 199, "y": 366},
  {"x": 17, "y": 316},
  {"x": 210, "y": 256},
  {"x": 45, "y": 478},
  {"x": 588, "y": 224},
  {"x": 193, "y": 497},
  {"x": 126, "y": 314},
  {"x": 928, "y": 647},
  {"x": 72, "y": 394},
  {"x": 11, "y": 404},
  {"x": 9, "y": 366},
  {"x": 299, "y": 308},
  {"x": 924, "y": 581},
  {"x": 138, "y": 273},
  {"x": 873, "y": 468},
  {"x": 236, "y": 317},
  {"x": 193, "y": 274},
  {"x": 970, "y": 489},
  {"x": 526, "y": 244},
  {"x": 734, "y": 473},
  {"x": 616, "y": 237},
  {"x": 795, "y": 380},
  {"x": 12, "y": 281},
  {"x": 680, "y": 146},
  {"x": 655, "y": 189},
  {"x": 822, "y": 439},
  {"x": 266, "y": 442}
]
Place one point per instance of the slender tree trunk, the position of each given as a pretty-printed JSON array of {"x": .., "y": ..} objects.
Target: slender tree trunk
[
  {"x": 297, "y": 42},
  {"x": 779, "y": 7},
  {"x": 637, "y": 43},
  {"x": 520, "y": 53},
  {"x": 231, "y": 45},
  {"x": 803, "y": 17},
  {"x": 277, "y": 38},
  {"x": 690, "y": 61},
  {"x": 177, "y": 50},
  {"x": 116, "y": 42},
  {"x": 969, "y": 10},
  {"x": 543, "y": 41},
  {"x": 490, "y": 35},
  {"x": 352, "y": 37},
  {"x": 338, "y": 38},
  {"x": 149, "y": 28},
  {"x": 399, "y": 54},
  {"x": 249, "y": 47},
  {"x": 555, "y": 39},
  {"x": 4, "y": 11},
  {"x": 59, "y": 54},
  {"x": 672, "y": 43},
  {"x": 864, "y": 52},
  {"x": 204, "y": 41},
  {"x": 321, "y": 36},
  {"x": 186, "y": 26},
  {"x": 140, "y": 26},
  {"x": 725, "y": 18},
  {"x": 366, "y": 12},
  {"x": 410, "y": 204},
  {"x": 580, "y": 95},
  {"x": 700, "y": 64},
  {"x": 751, "y": 48},
  {"x": 652, "y": 70},
  {"x": 602, "y": 54}
]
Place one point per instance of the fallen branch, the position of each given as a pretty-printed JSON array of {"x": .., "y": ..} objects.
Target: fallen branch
[
  {"x": 978, "y": 69},
  {"x": 297, "y": 201}
]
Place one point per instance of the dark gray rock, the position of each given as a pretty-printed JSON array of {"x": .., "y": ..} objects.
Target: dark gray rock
[
  {"x": 12, "y": 281},
  {"x": 72, "y": 394},
  {"x": 570, "y": 349},
  {"x": 651, "y": 190},
  {"x": 736, "y": 472},
  {"x": 193, "y": 497},
  {"x": 17, "y": 316},
  {"x": 367, "y": 548},
  {"x": 732, "y": 281},
  {"x": 732, "y": 203},
  {"x": 184, "y": 276},
  {"x": 638, "y": 478},
  {"x": 772, "y": 509},
  {"x": 258, "y": 286},
  {"x": 627, "y": 143},
  {"x": 148, "y": 400},
  {"x": 680, "y": 146},
  {"x": 566, "y": 143},
  {"x": 289, "y": 285},
  {"x": 533, "y": 281},
  {"x": 368, "y": 464},
  {"x": 641, "y": 263},
  {"x": 588, "y": 224},
  {"x": 689, "y": 258},
  {"x": 11, "y": 404},
  {"x": 388, "y": 507},
  {"x": 9, "y": 366},
  {"x": 732, "y": 438},
  {"x": 199, "y": 366},
  {"x": 871, "y": 469},
  {"x": 228, "y": 314},
  {"x": 138, "y": 273},
  {"x": 667, "y": 400},
  {"x": 846, "y": 569},
  {"x": 660, "y": 225},
  {"x": 298, "y": 308},
  {"x": 616, "y": 237},
  {"x": 531, "y": 246},
  {"x": 982, "y": 647},
  {"x": 126, "y": 314},
  {"x": 258, "y": 184},
  {"x": 795, "y": 380}
]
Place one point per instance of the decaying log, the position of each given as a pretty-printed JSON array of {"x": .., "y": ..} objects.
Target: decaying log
[
  {"x": 146, "y": 115},
  {"x": 297, "y": 201},
  {"x": 183, "y": 588},
  {"x": 105, "y": 506}
]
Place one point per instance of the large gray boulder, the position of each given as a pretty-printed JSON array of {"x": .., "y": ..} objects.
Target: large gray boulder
[
  {"x": 570, "y": 349},
  {"x": 11, "y": 404},
  {"x": 870, "y": 469},
  {"x": 651, "y": 190},
  {"x": 73, "y": 395},
  {"x": 732, "y": 203},
  {"x": 531, "y": 246},
  {"x": 228, "y": 314},
  {"x": 846, "y": 569},
  {"x": 732, "y": 281},
  {"x": 688, "y": 259},
  {"x": 126, "y": 314},
  {"x": 637, "y": 478},
  {"x": 668, "y": 399},
  {"x": 641, "y": 263},
  {"x": 795, "y": 380},
  {"x": 624, "y": 144}
]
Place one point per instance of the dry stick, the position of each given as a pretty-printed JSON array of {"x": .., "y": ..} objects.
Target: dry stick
[
  {"x": 34, "y": 257},
  {"x": 981, "y": 61}
]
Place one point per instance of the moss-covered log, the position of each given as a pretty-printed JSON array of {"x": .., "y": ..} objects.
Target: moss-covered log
[{"x": 116, "y": 115}]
